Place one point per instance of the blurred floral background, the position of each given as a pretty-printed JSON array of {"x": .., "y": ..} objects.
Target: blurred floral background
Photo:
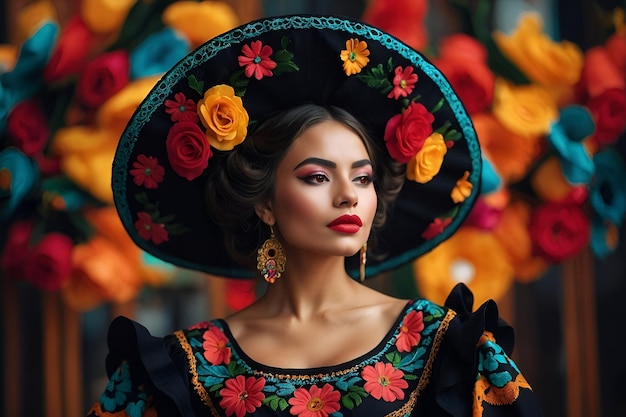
[{"x": 543, "y": 81}]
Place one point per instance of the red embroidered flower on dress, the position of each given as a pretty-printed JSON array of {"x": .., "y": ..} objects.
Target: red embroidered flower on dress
[
  {"x": 149, "y": 230},
  {"x": 406, "y": 133},
  {"x": 256, "y": 60},
  {"x": 215, "y": 346},
  {"x": 403, "y": 82},
  {"x": 242, "y": 395},
  {"x": 384, "y": 381},
  {"x": 410, "y": 330},
  {"x": 436, "y": 227},
  {"x": 181, "y": 109},
  {"x": 147, "y": 171},
  {"x": 315, "y": 402}
]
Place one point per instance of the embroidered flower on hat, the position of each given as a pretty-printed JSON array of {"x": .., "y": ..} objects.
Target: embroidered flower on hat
[
  {"x": 256, "y": 60},
  {"x": 462, "y": 189},
  {"x": 403, "y": 82},
  {"x": 146, "y": 171},
  {"x": 355, "y": 56},
  {"x": 181, "y": 109}
]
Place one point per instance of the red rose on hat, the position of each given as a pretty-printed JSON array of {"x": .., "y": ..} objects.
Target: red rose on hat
[
  {"x": 406, "y": 133},
  {"x": 188, "y": 149}
]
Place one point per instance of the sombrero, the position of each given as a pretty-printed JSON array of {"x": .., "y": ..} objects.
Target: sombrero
[{"x": 209, "y": 100}]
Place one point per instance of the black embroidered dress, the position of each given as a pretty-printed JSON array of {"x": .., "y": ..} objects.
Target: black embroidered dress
[{"x": 434, "y": 361}]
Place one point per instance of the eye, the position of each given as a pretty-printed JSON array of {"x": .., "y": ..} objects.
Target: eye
[
  {"x": 315, "y": 179},
  {"x": 364, "y": 179}
]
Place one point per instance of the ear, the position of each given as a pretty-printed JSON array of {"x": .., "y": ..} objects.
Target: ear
[{"x": 265, "y": 213}]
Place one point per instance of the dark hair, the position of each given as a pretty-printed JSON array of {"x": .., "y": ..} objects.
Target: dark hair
[{"x": 240, "y": 179}]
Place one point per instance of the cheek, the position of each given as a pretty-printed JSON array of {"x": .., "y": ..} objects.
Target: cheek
[{"x": 293, "y": 204}]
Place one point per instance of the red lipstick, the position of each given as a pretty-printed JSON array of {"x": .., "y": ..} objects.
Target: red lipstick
[{"x": 346, "y": 224}]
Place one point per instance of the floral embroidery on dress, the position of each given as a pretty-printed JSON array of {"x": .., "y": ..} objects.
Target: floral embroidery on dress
[{"x": 387, "y": 381}]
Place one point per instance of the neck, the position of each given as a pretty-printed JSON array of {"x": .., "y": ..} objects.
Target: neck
[{"x": 309, "y": 286}]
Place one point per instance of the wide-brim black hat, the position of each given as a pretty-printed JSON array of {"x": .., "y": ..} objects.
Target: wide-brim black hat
[{"x": 210, "y": 98}]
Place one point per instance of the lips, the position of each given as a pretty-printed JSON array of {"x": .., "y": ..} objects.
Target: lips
[{"x": 346, "y": 224}]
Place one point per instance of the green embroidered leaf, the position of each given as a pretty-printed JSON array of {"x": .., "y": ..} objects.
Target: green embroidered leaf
[
  {"x": 394, "y": 358},
  {"x": 376, "y": 78},
  {"x": 358, "y": 390},
  {"x": 390, "y": 66},
  {"x": 438, "y": 105},
  {"x": 216, "y": 387},
  {"x": 275, "y": 402},
  {"x": 453, "y": 135},
  {"x": 176, "y": 229},
  {"x": 410, "y": 377},
  {"x": 283, "y": 404},
  {"x": 347, "y": 402},
  {"x": 356, "y": 398},
  {"x": 165, "y": 219},
  {"x": 442, "y": 129},
  {"x": 196, "y": 85},
  {"x": 142, "y": 198},
  {"x": 284, "y": 42}
]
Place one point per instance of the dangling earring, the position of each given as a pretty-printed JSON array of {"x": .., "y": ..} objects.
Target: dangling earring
[
  {"x": 270, "y": 259},
  {"x": 363, "y": 258}
]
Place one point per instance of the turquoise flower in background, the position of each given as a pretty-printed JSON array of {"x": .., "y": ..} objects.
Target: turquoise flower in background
[
  {"x": 25, "y": 80},
  {"x": 607, "y": 192},
  {"x": 566, "y": 137},
  {"x": 18, "y": 176},
  {"x": 157, "y": 53},
  {"x": 490, "y": 180}
]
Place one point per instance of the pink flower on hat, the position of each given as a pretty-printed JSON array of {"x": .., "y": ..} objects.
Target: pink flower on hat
[
  {"x": 256, "y": 59},
  {"x": 181, "y": 109},
  {"x": 149, "y": 230},
  {"x": 406, "y": 133},
  {"x": 403, "y": 82},
  {"x": 147, "y": 171}
]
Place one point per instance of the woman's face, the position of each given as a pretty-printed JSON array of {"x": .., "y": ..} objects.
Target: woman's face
[{"x": 325, "y": 200}]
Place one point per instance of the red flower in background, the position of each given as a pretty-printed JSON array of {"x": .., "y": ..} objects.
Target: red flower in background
[
  {"x": 16, "y": 249},
  {"x": 49, "y": 264},
  {"x": 27, "y": 127},
  {"x": 102, "y": 77},
  {"x": 71, "y": 51},
  {"x": 406, "y": 133},
  {"x": 559, "y": 231},
  {"x": 404, "y": 19},
  {"x": 609, "y": 113}
]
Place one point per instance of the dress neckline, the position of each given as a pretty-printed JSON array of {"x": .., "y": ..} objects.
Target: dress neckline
[{"x": 376, "y": 352}]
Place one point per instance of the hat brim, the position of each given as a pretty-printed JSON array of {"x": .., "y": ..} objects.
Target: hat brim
[{"x": 190, "y": 239}]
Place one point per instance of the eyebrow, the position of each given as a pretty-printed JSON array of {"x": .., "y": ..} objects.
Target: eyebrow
[{"x": 331, "y": 164}]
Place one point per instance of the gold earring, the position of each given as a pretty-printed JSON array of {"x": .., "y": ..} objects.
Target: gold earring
[
  {"x": 270, "y": 259},
  {"x": 363, "y": 258}
]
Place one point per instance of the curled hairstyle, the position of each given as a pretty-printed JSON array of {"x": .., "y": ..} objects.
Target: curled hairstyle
[{"x": 246, "y": 176}]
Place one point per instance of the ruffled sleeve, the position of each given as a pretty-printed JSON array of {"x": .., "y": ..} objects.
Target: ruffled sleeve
[
  {"x": 475, "y": 375},
  {"x": 147, "y": 375}
]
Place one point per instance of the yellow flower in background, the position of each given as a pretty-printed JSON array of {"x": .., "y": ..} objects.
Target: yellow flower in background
[
  {"x": 462, "y": 258},
  {"x": 200, "y": 21},
  {"x": 355, "y": 56},
  {"x": 105, "y": 16},
  {"x": 540, "y": 58},
  {"x": 427, "y": 163},
  {"x": 32, "y": 16},
  {"x": 548, "y": 181},
  {"x": 115, "y": 113},
  {"x": 8, "y": 56},
  {"x": 462, "y": 189},
  {"x": 224, "y": 117},
  {"x": 526, "y": 110}
]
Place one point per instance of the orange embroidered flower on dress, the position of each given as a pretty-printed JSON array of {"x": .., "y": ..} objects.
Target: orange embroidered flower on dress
[
  {"x": 410, "y": 331},
  {"x": 215, "y": 347},
  {"x": 384, "y": 381},
  {"x": 355, "y": 56},
  {"x": 242, "y": 395},
  {"x": 315, "y": 402}
]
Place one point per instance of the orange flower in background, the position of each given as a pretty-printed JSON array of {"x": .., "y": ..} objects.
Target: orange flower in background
[
  {"x": 462, "y": 258},
  {"x": 600, "y": 73},
  {"x": 499, "y": 143},
  {"x": 104, "y": 17},
  {"x": 32, "y": 16},
  {"x": 526, "y": 110},
  {"x": 200, "y": 21},
  {"x": 548, "y": 181},
  {"x": 512, "y": 233},
  {"x": 541, "y": 59}
]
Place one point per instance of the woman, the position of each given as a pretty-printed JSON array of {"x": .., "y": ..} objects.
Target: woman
[{"x": 315, "y": 150}]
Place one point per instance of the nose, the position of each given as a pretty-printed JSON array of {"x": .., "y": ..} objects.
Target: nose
[{"x": 346, "y": 195}]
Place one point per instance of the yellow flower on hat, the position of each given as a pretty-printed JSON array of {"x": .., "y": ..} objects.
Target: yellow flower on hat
[
  {"x": 426, "y": 164},
  {"x": 526, "y": 110},
  {"x": 462, "y": 259},
  {"x": 105, "y": 16},
  {"x": 200, "y": 21},
  {"x": 355, "y": 56},
  {"x": 462, "y": 189},
  {"x": 224, "y": 117},
  {"x": 540, "y": 58}
]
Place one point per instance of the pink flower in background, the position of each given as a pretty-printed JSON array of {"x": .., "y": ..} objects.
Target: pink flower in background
[
  {"x": 16, "y": 249},
  {"x": 102, "y": 77},
  {"x": 27, "y": 127},
  {"x": 49, "y": 264}
]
